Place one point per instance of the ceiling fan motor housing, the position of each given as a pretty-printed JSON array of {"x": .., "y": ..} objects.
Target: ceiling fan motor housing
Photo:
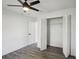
[{"x": 25, "y": 4}]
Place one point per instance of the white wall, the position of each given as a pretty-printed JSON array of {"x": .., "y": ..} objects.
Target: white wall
[
  {"x": 54, "y": 32},
  {"x": 14, "y": 31},
  {"x": 61, "y": 13}
]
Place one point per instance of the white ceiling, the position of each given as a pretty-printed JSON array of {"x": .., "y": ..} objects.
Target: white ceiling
[{"x": 45, "y": 6}]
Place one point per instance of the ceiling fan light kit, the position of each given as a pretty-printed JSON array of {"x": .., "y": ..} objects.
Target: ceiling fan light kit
[
  {"x": 27, "y": 6},
  {"x": 26, "y": 9}
]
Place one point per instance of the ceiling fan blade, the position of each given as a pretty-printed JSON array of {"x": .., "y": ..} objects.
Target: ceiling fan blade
[
  {"x": 20, "y": 1},
  {"x": 15, "y": 5},
  {"x": 34, "y": 9},
  {"x": 34, "y": 3},
  {"x": 25, "y": 0}
]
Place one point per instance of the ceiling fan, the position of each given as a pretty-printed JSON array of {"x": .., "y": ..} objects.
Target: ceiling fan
[{"x": 27, "y": 6}]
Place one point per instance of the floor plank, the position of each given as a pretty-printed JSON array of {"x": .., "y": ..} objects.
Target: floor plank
[{"x": 32, "y": 52}]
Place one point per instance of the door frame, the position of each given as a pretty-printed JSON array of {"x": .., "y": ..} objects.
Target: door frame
[{"x": 43, "y": 35}]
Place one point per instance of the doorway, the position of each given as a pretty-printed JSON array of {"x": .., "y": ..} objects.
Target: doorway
[
  {"x": 66, "y": 33},
  {"x": 54, "y": 32}
]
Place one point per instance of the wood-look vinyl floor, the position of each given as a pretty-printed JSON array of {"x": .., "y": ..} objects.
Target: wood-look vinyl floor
[{"x": 32, "y": 52}]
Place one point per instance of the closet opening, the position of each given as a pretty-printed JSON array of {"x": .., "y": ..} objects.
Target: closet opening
[{"x": 55, "y": 32}]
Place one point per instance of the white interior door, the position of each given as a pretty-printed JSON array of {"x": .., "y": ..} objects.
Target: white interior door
[
  {"x": 66, "y": 35},
  {"x": 31, "y": 32},
  {"x": 56, "y": 35},
  {"x": 43, "y": 33}
]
